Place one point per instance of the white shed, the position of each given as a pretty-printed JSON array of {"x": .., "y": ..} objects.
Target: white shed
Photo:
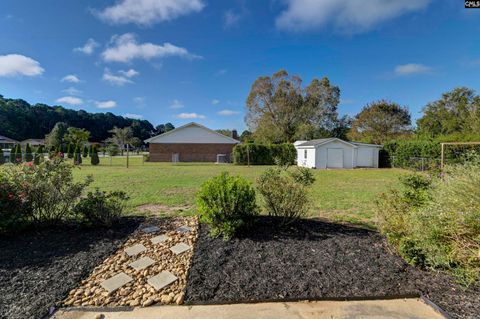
[{"x": 336, "y": 153}]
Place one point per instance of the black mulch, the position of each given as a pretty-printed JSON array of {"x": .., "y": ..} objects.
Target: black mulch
[
  {"x": 314, "y": 260},
  {"x": 38, "y": 269}
]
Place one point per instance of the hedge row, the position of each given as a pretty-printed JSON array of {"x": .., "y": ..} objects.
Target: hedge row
[{"x": 264, "y": 154}]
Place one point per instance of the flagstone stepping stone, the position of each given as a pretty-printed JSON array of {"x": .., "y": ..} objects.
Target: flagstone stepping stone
[
  {"x": 162, "y": 280},
  {"x": 151, "y": 229},
  {"x": 142, "y": 263},
  {"x": 115, "y": 282},
  {"x": 180, "y": 248},
  {"x": 184, "y": 229},
  {"x": 135, "y": 249},
  {"x": 159, "y": 239}
]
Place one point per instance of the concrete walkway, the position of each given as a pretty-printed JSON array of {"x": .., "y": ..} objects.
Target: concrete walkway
[{"x": 391, "y": 309}]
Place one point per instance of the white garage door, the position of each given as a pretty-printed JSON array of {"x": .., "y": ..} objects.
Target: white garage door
[
  {"x": 365, "y": 157},
  {"x": 334, "y": 158}
]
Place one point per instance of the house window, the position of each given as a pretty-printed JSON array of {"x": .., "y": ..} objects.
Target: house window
[{"x": 305, "y": 154}]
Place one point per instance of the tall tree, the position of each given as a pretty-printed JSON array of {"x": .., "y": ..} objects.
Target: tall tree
[
  {"x": 458, "y": 111},
  {"x": 279, "y": 108},
  {"x": 56, "y": 135},
  {"x": 163, "y": 128},
  {"x": 77, "y": 136},
  {"x": 28, "y": 153},
  {"x": 379, "y": 122},
  {"x": 121, "y": 137}
]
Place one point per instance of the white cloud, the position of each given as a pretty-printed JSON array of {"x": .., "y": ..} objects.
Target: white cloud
[
  {"x": 72, "y": 100},
  {"x": 130, "y": 73},
  {"x": 114, "y": 79},
  {"x": 352, "y": 16},
  {"x": 228, "y": 112},
  {"x": 133, "y": 116},
  {"x": 18, "y": 65},
  {"x": 106, "y": 104},
  {"x": 124, "y": 48},
  {"x": 72, "y": 78},
  {"x": 88, "y": 47},
  {"x": 215, "y": 101},
  {"x": 147, "y": 12},
  {"x": 411, "y": 68},
  {"x": 72, "y": 91},
  {"x": 176, "y": 104},
  {"x": 139, "y": 101},
  {"x": 184, "y": 116},
  {"x": 221, "y": 72},
  {"x": 230, "y": 18}
]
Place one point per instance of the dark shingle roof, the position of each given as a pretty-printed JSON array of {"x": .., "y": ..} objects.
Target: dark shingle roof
[{"x": 4, "y": 139}]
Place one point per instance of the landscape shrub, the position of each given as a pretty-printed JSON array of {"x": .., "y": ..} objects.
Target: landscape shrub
[
  {"x": 77, "y": 156},
  {"x": 101, "y": 208},
  {"x": 436, "y": 223},
  {"x": 2, "y": 157},
  {"x": 13, "y": 204},
  {"x": 94, "y": 160},
  {"x": 285, "y": 193},
  {"x": 48, "y": 189},
  {"x": 70, "y": 150},
  {"x": 264, "y": 154},
  {"x": 402, "y": 153},
  {"x": 28, "y": 153},
  {"x": 85, "y": 151},
  {"x": 227, "y": 204}
]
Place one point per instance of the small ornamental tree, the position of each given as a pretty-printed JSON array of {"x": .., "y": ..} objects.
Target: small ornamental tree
[
  {"x": 2, "y": 157},
  {"x": 70, "y": 151},
  {"x": 90, "y": 150},
  {"x": 94, "y": 160},
  {"x": 85, "y": 151},
  {"x": 18, "y": 154},
  {"x": 77, "y": 156},
  {"x": 28, "y": 153}
]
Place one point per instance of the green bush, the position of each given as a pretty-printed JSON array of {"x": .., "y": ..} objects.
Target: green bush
[
  {"x": 285, "y": 194},
  {"x": 94, "y": 160},
  {"x": 13, "y": 204},
  {"x": 77, "y": 156},
  {"x": 28, "y": 153},
  {"x": 264, "y": 154},
  {"x": 2, "y": 157},
  {"x": 101, "y": 208},
  {"x": 85, "y": 151},
  {"x": 227, "y": 204},
  {"x": 436, "y": 223},
  {"x": 70, "y": 150},
  {"x": 48, "y": 189}
]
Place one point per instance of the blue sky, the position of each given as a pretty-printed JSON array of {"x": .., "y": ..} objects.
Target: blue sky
[{"x": 195, "y": 60}]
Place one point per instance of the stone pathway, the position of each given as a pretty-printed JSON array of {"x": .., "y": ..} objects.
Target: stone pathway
[
  {"x": 370, "y": 309},
  {"x": 151, "y": 267}
]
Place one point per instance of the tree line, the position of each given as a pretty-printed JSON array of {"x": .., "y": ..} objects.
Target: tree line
[
  {"x": 21, "y": 121},
  {"x": 280, "y": 109}
]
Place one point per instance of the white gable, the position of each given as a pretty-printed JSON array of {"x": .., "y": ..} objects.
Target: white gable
[{"x": 192, "y": 133}]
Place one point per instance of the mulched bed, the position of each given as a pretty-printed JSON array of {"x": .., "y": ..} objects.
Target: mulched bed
[
  {"x": 38, "y": 269},
  {"x": 314, "y": 260}
]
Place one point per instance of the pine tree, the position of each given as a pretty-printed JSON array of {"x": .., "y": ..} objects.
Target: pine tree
[
  {"x": 77, "y": 156},
  {"x": 28, "y": 153},
  {"x": 2, "y": 157},
  {"x": 13, "y": 152},
  {"x": 85, "y": 151},
  {"x": 70, "y": 151},
  {"x": 18, "y": 154},
  {"x": 94, "y": 160},
  {"x": 90, "y": 150}
]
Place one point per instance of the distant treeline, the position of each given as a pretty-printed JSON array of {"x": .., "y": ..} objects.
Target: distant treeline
[{"x": 20, "y": 120}]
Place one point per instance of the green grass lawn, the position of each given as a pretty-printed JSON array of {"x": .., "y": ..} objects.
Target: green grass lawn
[{"x": 338, "y": 195}]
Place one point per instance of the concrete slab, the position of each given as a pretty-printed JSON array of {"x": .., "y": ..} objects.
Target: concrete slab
[
  {"x": 159, "y": 239},
  {"x": 135, "y": 249},
  {"x": 142, "y": 263},
  {"x": 373, "y": 309},
  {"x": 180, "y": 248},
  {"x": 184, "y": 229},
  {"x": 162, "y": 280},
  {"x": 115, "y": 282},
  {"x": 151, "y": 229}
]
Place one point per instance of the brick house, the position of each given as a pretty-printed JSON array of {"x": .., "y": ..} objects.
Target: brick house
[{"x": 191, "y": 143}]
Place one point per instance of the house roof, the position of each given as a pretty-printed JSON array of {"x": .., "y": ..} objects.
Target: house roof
[
  {"x": 4, "y": 139},
  {"x": 34, "y": 140},
  {"x": 322, "y": 141},
  {"x": 226, "y": 138}
]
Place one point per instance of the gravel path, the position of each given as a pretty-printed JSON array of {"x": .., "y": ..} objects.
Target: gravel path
[
  {"x": 38, "y": 269},
  {"x": 313, "y": 260}
]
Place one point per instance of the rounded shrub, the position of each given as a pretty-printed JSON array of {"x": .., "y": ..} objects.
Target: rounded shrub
[
  {"x": 94, "y": 160},
  {"x": 227, "y": 204}
]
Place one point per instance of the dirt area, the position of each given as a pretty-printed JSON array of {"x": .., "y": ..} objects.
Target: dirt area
[
  {"x": 314, "y": 260},
  {"x": 39, "y": 268},
  {"x": 159, "y": 209}
]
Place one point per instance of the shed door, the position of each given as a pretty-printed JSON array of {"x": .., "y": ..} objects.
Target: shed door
[
  {"x": 334, "y": 158},
  {"x": 365, "y": 157}
]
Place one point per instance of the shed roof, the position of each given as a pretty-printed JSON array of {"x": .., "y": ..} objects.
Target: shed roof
[
  {"x": 5, "y": 140},
  {"x": 322, "y": 141}
]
